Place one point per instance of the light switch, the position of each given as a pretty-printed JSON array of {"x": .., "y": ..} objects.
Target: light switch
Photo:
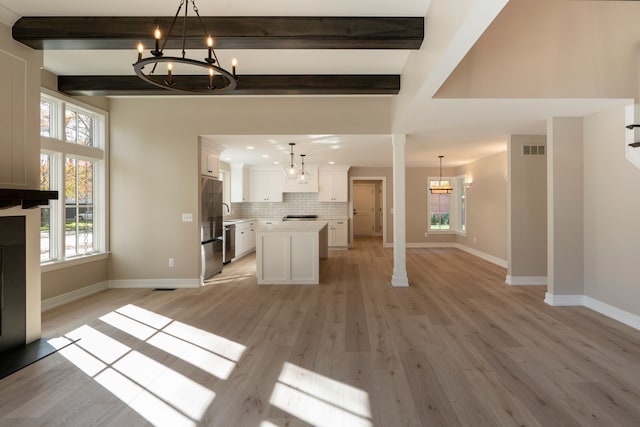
[{"x": 187, "y": 217}]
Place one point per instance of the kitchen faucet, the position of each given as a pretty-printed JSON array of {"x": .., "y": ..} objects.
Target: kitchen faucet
[{"x": 227, "y": 206}]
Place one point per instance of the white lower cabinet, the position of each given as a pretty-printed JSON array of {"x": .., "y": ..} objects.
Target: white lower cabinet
[
  {"x": 245, "y": 238},
  {"x": 338, "y": 233}
]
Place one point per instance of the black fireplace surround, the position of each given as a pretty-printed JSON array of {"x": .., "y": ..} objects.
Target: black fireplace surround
[{"x": 13, "y": 285}]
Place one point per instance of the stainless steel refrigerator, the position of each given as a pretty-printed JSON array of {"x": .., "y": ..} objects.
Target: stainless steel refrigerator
[{"x": 211, "y": 230}]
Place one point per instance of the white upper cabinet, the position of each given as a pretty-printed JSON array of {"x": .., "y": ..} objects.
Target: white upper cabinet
[
  {"x": 239, "y": 183},
  {"x": 209, "y": 159},
  {"x": 265, "y": 185},
  {"x": 333, "y": 183}
]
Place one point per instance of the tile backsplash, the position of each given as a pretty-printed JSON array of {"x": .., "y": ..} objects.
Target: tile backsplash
[{"x": 292, "y": 204}]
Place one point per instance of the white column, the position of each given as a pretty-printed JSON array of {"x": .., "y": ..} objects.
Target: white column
[{"x": 399, "y": 278}]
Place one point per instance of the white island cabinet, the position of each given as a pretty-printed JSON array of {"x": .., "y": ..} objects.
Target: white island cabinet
[{"x": 288, "y": 253}]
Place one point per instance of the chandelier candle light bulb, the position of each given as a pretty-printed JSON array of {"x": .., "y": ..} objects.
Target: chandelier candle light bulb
[
  {"x": 210, "y": 78},
  {"x": 169, "y": 73},
  {"x": 210, "y": 59},
  {"x": 140, "y": 50},
  {"x": 157, "y": 35}
]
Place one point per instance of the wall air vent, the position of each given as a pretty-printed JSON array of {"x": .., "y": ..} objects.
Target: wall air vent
[{"x": 533, "y": 150}]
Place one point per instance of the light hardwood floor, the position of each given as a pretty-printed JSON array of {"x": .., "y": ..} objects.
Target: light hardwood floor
[{"x": 457, "y": 348}]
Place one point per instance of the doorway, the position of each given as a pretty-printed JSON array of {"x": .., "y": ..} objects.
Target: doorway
[
  {"x": 364, "y": 209},
  {"x": 368, "y": 208}
]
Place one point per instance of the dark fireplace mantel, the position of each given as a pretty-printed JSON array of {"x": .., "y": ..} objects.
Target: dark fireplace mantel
[{"x": 28, "y": 199}]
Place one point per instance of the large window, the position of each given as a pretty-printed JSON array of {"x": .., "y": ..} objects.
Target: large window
[
  {"x": 447, "y": 212},
  {"x": 72, "y": 162}
]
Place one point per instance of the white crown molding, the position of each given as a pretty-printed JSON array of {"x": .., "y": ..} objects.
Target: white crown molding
[
  {"x": 155, "y": 283},
  {"x": 526, "y": 280},
  {"x": 8, "y": 16}
]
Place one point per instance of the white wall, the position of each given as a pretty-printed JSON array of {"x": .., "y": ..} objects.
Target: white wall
[{"x": 611, "y": 214}]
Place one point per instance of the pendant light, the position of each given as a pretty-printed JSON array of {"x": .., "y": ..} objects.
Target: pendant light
[
  {"x": 303, "y": 178},
  {"x": 291, "y": 171},
  {"x": 440, "y": 188}
]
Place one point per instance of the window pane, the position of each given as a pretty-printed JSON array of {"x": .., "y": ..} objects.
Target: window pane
[
  {"x": 79, "y": 128},
  {"x": 45, "y": 212},
  {"x": 70, "y": 126},
  {"x": 85, "y": 129},
  {"x": 45, "y": 117},
  {"x": 439, "y": 208},
  {"x": 78, "y": 207}
]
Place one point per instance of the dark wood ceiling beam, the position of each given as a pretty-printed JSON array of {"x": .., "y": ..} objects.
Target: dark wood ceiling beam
[
  {"x": 247, "y": 85},
  {"x": 229, "y": 32}
]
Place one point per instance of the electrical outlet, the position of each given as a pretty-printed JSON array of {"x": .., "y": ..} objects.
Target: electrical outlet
[
  {"x": 171, "y": 262},
  {"x": 187, "y": 217}
]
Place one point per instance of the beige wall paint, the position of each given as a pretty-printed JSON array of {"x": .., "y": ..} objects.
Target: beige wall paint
[
  {"x": 527, "y": 208},
  {"x": 565, "y": 232},
  {"x": 553, "y": 49},
  {"x": 487, "y": 206},
  {"x": 155, "y": 174},
  {"x": 417, "y": 217},
  {"x": 69, "y": 279},
  {"x": 611, "y": 212}
]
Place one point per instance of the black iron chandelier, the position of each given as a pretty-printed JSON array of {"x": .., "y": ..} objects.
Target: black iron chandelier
[
  {"x": 442, "y": 187},
  {"x": 217, "y": 78}
]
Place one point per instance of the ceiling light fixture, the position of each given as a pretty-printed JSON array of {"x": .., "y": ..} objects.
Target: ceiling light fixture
[
  {"x": 303, "y": 178},
  {"x": 440, "y": 188},
  {"x": 291, "y": 171},
  {"x": 217, "y": 78}
]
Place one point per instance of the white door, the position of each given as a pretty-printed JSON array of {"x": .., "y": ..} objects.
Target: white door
[{"x": 364, "y": 209}]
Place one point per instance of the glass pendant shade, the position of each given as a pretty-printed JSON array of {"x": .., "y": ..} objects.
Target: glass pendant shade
[
  {"x": 303, "y": 178},
  {"x": 291, "y": 171}
]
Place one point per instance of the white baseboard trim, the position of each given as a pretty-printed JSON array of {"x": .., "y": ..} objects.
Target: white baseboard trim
[
  {"x": 155, "y": 283},
  {"x": 615, "y": 313},
  {"x": 431, "y": 245},
  {"x": 526, "y": 280},
  {"x": 563, "y": 300},
  {"x": 485, "y": 256},
  {"x": 59, "y": 300}
]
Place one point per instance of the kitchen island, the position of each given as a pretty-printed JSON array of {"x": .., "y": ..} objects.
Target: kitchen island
[{"x": 288, "y": 253}]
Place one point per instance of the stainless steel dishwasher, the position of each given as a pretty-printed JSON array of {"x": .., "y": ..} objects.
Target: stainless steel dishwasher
[{"x": 229, "y": 242}]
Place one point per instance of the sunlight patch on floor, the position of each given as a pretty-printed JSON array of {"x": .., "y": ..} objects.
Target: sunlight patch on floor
[
  {"x": 319, "y": 400},
  {"x": 163, "y": 396}
]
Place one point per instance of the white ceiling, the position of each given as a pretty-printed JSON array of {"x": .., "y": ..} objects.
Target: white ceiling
[{"x": 462, "y": 129}]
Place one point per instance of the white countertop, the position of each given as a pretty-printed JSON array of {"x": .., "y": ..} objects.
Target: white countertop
[{"x": 293, "y": 226}]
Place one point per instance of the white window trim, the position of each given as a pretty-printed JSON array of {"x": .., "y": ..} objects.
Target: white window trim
[
  {"x": 55, "y": 144},
  {"x": 454, "y": 206}
]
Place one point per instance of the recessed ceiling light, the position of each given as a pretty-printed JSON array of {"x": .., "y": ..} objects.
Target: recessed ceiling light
[
  {"x": 265, "y": 156},
  {"x": 335, "y": 147},
  {"x": 250, "y": 147},
  {"x": 332, "y": 163},
  {"x": 276, "y": 163}
]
